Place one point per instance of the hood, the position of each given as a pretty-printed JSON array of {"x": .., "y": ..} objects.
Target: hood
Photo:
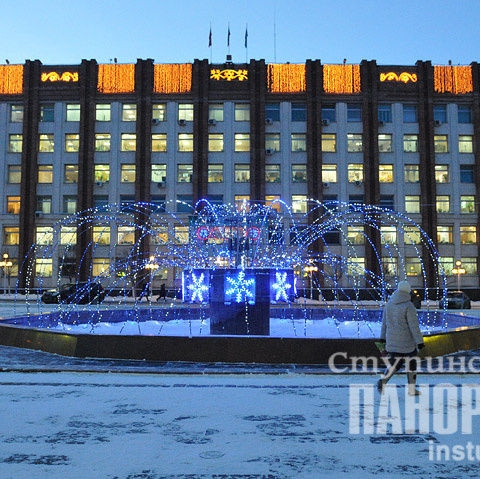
[{"x": 399, "y": 297}]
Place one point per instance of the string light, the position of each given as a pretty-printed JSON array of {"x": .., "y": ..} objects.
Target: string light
[
  {"x": 341, "y": 78},
  {"x": 240, "y": 288},
  {"x": 281, "y": 286},
  {"x": 286, "y": 78},
  {"x": 116, "y": 78},
  {"x": 453, "y": 79},
  {"x": 198, "y": 288},
  {"x": 11, "y": 79},
  {"x": 172, "y": 78}
]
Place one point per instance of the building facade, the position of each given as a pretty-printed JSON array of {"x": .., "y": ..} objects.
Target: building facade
[{"x": 76, "y": 137}]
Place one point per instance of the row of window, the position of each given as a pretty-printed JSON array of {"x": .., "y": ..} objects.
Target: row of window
[
  {"x": 185, "y": 112},
  {"x": 298, "y": 142}
]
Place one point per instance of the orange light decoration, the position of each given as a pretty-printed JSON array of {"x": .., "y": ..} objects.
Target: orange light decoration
[
  {"x": 341, "y": 79},
  {"x": 286, "y": 78},
  {"x": 116, "y": 78},
  {"x": 172, "y": 78},
  {"x": 404, "y": 77},
  {"x": 11, "y": 79},
  {"x": 453, "y": 79},
  {"x": 64, "y": 77},
  {"x": 228, "y": 74}
]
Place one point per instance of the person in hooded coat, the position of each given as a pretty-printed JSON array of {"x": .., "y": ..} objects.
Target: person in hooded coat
[{"x": 402, "y": 336}]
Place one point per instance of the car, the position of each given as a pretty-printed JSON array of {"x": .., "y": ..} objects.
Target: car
[
  {"x": 416, "y": 298},
  {"x": 455, "y": 300},
  {"x": 78, "y": 293}
]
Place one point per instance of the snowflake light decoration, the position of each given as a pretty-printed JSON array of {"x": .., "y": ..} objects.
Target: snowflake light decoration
[
  {"x": 196, "y": 287},
  {"x": 240, "y": 288},
  {"x": 281, "y": 286}
]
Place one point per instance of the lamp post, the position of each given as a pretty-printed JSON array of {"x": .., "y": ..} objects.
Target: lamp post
[
  {"x": 6, "y": 264},
  {"x": 310, "y": 269},
  {"x": 151, "y": 267},
  {"x": 458, "y": 270}
]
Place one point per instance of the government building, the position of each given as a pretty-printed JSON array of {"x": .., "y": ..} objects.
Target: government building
[{"x": 78, "y": 137}]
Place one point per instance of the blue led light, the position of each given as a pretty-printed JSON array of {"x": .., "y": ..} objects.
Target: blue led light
[
  {"x": 240, "y": 288},
  {"x": 281, "y": 286}
]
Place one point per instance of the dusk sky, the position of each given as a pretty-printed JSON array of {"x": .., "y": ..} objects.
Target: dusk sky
[{"x": 279, "y": 31}]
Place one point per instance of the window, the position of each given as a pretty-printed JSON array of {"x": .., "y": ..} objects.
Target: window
[
  {"x": 468, "y": 234},
  {"x": 272, "y": 201},
  {"x": 43, "y": 267},
  {"x": 242, "y": 173},
  {"x": 390, "y": 266},
  {"x": 126, "y": 235},
  {"x": 69, "y": 204},
  {"x": 102, "y": 141},
  {"x": 412, "y": 204},
  {"x": 103, "y": 112},
  {"x": 272, "y": 111},
  {"x": 385, "y": 173},
  {"x": 354, "y": 112},
  {"x": 102, "y": 173},
  {"x": 410, "y": 143},
  {"x": 354, "y": 143},
  {"x": 328, "y": 113},
  {"x": 184, "y": 205},
  {"x": 412, "y": 173},
  {"x": 466, "y": 174},
  {"x": 355, "y": 173},
  {"x": 128, "y": 142},
  {"x": 355, "y": 234},
  {"x": 441, "y": 174},
  {"x": 467, "y": 204},
  {"x": 70, "y": 174},
  {"x": 73, "y": 112},
  {"x": 329, "y": 173},
  {"x": 127, "y": 173},
  {"x": 413, "y": 266},
  {"x": 411, "y": 235},
  {"x": 299, "y": 142},
  {"x": 11, "y": 235},
  {"x": 272, "y": 141},
  {"x": 13, "y": 205},
  {"x": 100, "y": 201},
  {"x": 443, "y": 204},
  {"x": 272, "y": 173},
  {"x": 299, "y": 173},
  {"x": 184, "y": 173},
  {"x": 242, "y": 112},
  {"x": 16, "y": 113},
  {"x": 44, "y": 204},
  {"x": 242, "y": 142},
  {"x": 440, "y": 113},
  {"x": 100, "y": 266},
  {"x": 159, "y": 173},
  {"x": 299, "y": 112},
  {"x": 299, "y": 204},
  {"x": 387, "y": 201},
  {"x": 385, "y": 143},
  {"x": 46, "y": 144},
  {"x": 44, "y": 235},
  {"x": 215, "y": 142},
  {"x": 241, "y": 202},
  {"x": 185, "y": 142},
  {"x": 159, "y": 112},
  {"x": 388, "y": 235},
  {"x": 14, "y": 174},
  {"x": 45, "y": 173},
  {"x": 329, "y": 142},
  {"x": 185, "y": 111},
  {"x": 464, "y": 114},
  {"x": 159, "y": 142},
  {"x": 68, "y": 235},
  {"x": 47, "y": 112},
  {"x": 470, "y": 265},
  {"x": 465, "y": 143},
  {"x": 15, "y": 143},
  {"x": 215, "y": 173},
  {"x": 72, "y": 142},
  {"x": 181, "y": 234},
  {"x": 101, "y": 235},
  {"x": 385, "y": 113},
  {"x": 410, "y": 114},
  {"x": 129, "y": 112},
  {"x": 441, "y": 143},
  {"x": 445, "y": 234},
  {"x": 215, "y": 111}
]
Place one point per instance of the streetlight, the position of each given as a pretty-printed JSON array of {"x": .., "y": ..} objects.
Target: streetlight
[
  {"x": 310, "y": 269},
  {"x": 458, "y": 270},
  {"x": 151, "y": 267},
  {"x": 6, "y": 264}
]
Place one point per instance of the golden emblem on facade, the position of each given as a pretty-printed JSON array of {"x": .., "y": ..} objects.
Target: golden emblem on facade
[
  {"x": 64, "y": 77},
  {"x": 228, "y": 74},
  {"x": 404, "y": 77}
]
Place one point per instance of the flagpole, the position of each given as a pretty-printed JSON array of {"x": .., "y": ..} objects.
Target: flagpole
[
  {"x": 210, "y": 42},
  {"x": 246, "y": 43},
  {"x": 228, "y": 38}
]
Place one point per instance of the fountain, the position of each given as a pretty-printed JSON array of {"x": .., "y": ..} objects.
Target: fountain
[{"x": 252, "y": 283}]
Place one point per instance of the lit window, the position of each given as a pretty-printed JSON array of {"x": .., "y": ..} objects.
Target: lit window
[
  {"x": 14, "y": 174},
  {"x": 101, "y": 235},
  {"x": 44, "y": 235},
  {"x": 181, "y": 234},
  {"x": 47, "y": 112},
  {"x": 299, "y": 112},
  {"x": 13, "y": 205},
  {"x": 272, "y": 201},
  {"x": 11, "y": 235},
  {"x": 103, "y": 112},
  {"x": 129, "y": 112},
  {"x": 272, "y": 111},
  {"x": 385, "y": 173},
  {"x": 355, "y": 234},
  {"x": 411, "y": 173},
  {"x": 356, "y": 267},
  {"x": 45, "y": 173},
  {"x": 354, "y": 112},
  {"x": 443, "y": 204},
  {"x": 70, "y": 204},
  {"x": 465, "y": 144},
  {"x": 185, "y": 111},
  {"x": 159, "y": 112},
  {"x": 126, "y": 235},
  {"x": 16, "y": 113},
  {"x": 242, "y": 112},
  {"x": 43, "y": 267},
  {"x": 70, "y": 174},
  {"x": 15, "y": 143},
  {"x": 468, "y": 234},
  {"x": 128, "y": 142},
  {"x": 184, "y": 173},
  {"x": 159, "y": 173},
  {"x": 73, "y": 112},
  {"x": 102, "y": 141},
  {"x": 128, "y": 173},
  {"x": 445, "y": 234},
  {"x": 72, "y": 142},
  {"x": 68, "y": 235},
  {"x": 410, "y": 114},
  {"x": 215, "y": 111},
  {"x": 242, "y": 173},
  {"x": 215, "y": 173},
  {"x": 299, "y": 204},
  {"x": 469, "y": 265},
  {"x": 410, "y": 143},
  {"x": 159, "y": 142},
  {"x": 185, "y": 142},
  {"x": 272, "y": 173},
  {"x": 441, "y": 143},
  {"x": 241, "y": 203},
  {"x": 272, "y": 141},
  {"x": 385, "y": 113},
  {"x": 355, "y": 172},
  {"x": 100, "y": 266},
  {"x": 390, "y": 266},
  {"x": 299, "y": 173},
  {"x": 329, "y": 173},
  {"x": 412, "y": 204},
  {"x": 329, "y": 142},
  {"x": 413, "y": 266},
  {"x": 354, "y": 143},
  {"x": 467, "y": 204},
  {"x": 441, "y": 174},
  {"x": 102, "y": 173},
  {"x": 299, "y": 142},
  {"x": 388, "y": 235},
  {"x": 215, "y": 142},
  {"x": 46, "y": 144},
  {"x": 242, "y": 142},
  {"x": 385, "y": 143},
  {"x": 44, "y": 204}
]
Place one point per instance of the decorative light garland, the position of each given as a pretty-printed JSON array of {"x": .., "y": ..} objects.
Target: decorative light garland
[
  {"x": 55, "y": 76},
  {"x": 11, "y": 79},
  {"x": 172, "y": 78},
  {"x": 453, "y": 79},
  {"x": 116, "y": 78},
  {"x": 341, "y": 78},
  {"x": 404, "y": 77},
  {"x": 286, "y": 78}
]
